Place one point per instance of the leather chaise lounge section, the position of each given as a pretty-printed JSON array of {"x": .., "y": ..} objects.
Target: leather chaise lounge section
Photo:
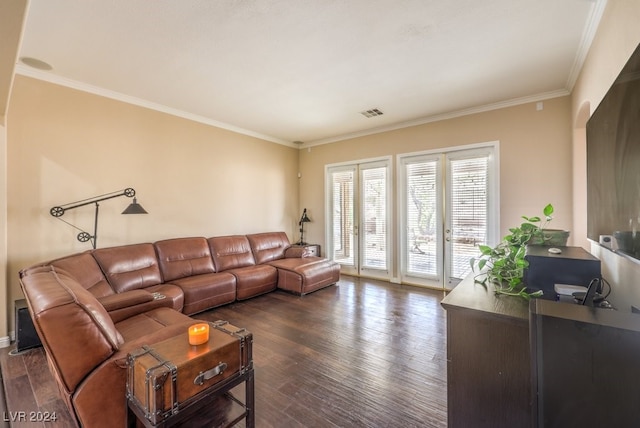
[
  {"x": 91, "y": 309},
  {"x": 294, "y": 275}
]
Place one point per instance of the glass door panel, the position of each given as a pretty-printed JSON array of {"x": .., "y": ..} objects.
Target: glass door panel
[
  {"x": 342, "y": 205},
  {"x": 358, "y": 220},
  {"x": 467, "y": 222},
  {"x": 423, "y": 227},
  {"x": 374, "y": 222}
]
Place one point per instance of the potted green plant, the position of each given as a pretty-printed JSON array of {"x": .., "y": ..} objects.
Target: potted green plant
[{"x": 503, "y": 265}]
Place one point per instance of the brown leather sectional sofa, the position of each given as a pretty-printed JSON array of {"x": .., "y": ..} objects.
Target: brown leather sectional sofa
[{"x": 91, "y": 309}]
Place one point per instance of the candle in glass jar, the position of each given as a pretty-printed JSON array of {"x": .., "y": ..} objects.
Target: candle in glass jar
[{"x": 198, "y": 334}]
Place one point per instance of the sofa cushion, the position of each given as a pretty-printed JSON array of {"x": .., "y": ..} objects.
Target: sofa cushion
[
  {"x": 202, "y": 292},
  {"x": 254, "y": 280},
  {"x": 268, "y": 246},
  {"x": 84, "y": 268},
  {"x": 230, "y": 252},
  {"x": 129, "y": 267},
  {"x": 182, "y": 257},
  {"x": 149, "y": 322}
]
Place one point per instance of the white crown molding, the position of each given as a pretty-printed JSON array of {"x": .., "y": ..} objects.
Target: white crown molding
[
  {"x": 52, "y": 78},
  {"x": 588, "y": 35},
  {"x": 451, "y": 115},
  {"x": 74, "y": 84}
]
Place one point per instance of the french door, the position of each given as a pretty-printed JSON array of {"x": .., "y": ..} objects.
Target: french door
[
  {"x": 448, "y": 205},
  {"x": 359, "y": 221}
]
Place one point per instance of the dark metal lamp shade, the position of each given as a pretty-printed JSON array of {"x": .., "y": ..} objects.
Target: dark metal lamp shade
[
  {"x": 134, "y": 208},
  {"x": 305, "y": 218}
]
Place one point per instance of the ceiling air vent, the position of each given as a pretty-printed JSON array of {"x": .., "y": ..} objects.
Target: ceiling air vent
[{"x": 371, "y": 113}]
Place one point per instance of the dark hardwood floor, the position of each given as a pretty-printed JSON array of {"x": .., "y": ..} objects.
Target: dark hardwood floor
[{"x": 362, "y": 353}]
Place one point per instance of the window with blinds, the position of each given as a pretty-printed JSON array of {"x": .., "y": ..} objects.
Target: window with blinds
[
  {"x": 374, "y": 181},
  {"x": 468, "y": 208},
  {"x": 342, "y": 216},
  {"x": 421, "y": 217}
]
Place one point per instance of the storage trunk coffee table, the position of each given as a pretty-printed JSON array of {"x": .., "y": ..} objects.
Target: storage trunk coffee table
[{"x": 173, "y": 382}]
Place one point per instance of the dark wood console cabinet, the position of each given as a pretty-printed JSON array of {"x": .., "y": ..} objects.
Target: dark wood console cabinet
[{"x": 488, "y": 358}]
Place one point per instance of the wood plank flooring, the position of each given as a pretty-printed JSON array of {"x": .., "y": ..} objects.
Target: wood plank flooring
[{"x": 362, "y": 353}]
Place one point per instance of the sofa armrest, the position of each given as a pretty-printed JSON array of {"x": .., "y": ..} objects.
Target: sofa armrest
[
  {"x": 121, "y": 306},
  {"x": 126, "y": 299},
  {"x": 297, "y": 252}
]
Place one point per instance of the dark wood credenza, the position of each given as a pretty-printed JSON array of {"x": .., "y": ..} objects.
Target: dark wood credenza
[
  {"x": 488, "y": 358},
  {"x": 543, "y": 363}
]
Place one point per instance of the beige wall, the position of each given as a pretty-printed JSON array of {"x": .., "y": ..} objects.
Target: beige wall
[
  {"x": 193, "y": 179},
  {"x": 617, "y": 36},
  {"x": 535, "y": 159}
]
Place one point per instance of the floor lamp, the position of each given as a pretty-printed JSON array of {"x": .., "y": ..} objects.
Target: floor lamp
[
  {"x": 133, "y": 208},
  {"x": 304, "y": 219}
]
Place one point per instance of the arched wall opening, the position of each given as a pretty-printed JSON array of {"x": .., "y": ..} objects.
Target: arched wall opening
[{"x": 580, "y": 175}]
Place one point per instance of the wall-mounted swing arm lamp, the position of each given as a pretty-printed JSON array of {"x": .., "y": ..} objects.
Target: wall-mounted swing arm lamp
[
  {"x": 304, "y": 219},
  {"x": 133, "y": 208}
]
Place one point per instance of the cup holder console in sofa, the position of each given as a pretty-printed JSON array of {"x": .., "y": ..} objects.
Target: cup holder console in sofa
[{"x": 91, "y": 309}]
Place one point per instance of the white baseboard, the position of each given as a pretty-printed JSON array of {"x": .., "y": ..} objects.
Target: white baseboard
[{"x": 5, "y": 342}]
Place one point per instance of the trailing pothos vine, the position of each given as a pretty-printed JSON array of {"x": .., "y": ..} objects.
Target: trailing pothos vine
[{"x": 503, "y": 265}]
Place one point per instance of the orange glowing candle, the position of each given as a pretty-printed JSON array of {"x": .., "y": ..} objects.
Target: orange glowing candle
[{"x": 198, "y": 334}]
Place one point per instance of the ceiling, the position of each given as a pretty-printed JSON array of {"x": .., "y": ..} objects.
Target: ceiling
[{"x": 304, "y": 70}]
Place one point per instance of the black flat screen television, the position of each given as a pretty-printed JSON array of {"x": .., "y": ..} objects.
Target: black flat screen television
[{"x": 613, "y": 163}]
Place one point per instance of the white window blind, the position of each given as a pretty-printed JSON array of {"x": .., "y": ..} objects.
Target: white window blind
[
  {"x": 468, "y": 211},
  {"x": 421, "y": 211},
  {"x": 342, "y": 217},
  {"x": 374, "y": 182}
]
